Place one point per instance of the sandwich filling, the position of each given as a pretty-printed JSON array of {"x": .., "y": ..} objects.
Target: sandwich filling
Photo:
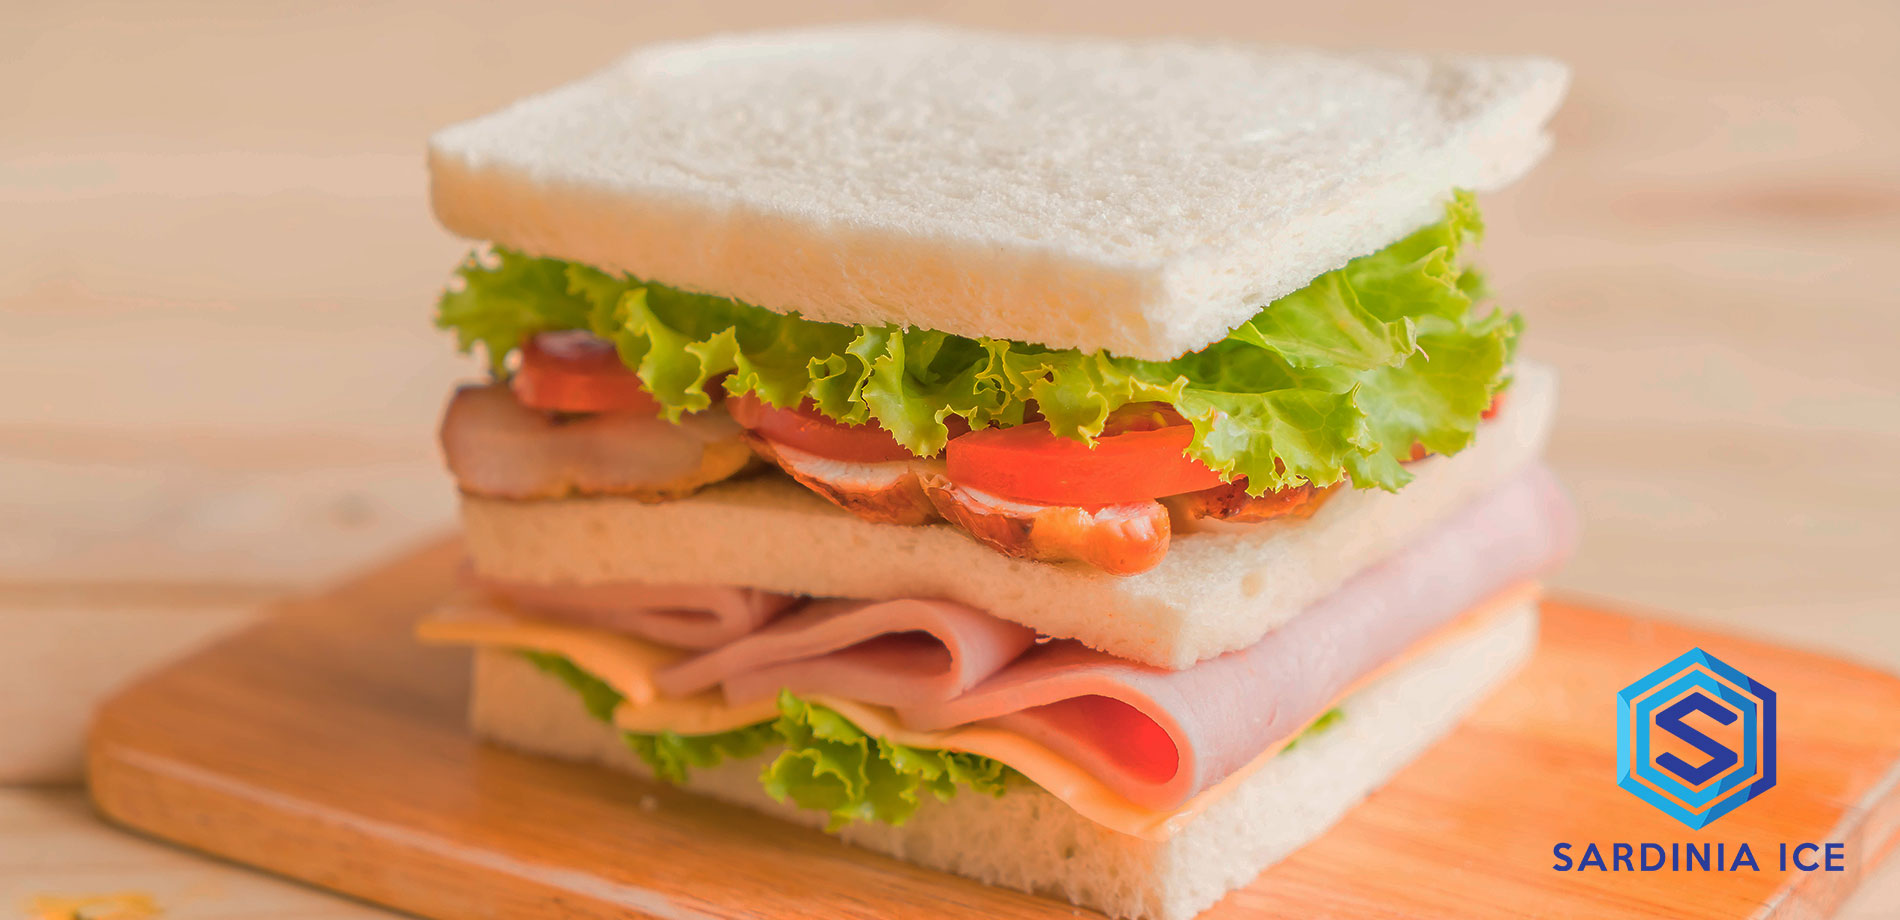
[
  {"x": 873, "y": 702},
  {"x": 1044, "y": 453}
]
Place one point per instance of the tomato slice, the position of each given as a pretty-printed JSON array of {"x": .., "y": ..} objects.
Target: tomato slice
[
  {"x": 577, "y": 371},
  {"x": 805, "y": 428},
  {"x": 1140, "y": 455}
]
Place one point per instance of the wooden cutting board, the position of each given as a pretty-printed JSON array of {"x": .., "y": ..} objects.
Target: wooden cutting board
[{"x": 325, "y": 745}]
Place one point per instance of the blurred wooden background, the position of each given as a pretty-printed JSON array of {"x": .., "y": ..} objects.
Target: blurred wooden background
[{"x": 217, "y": 265}]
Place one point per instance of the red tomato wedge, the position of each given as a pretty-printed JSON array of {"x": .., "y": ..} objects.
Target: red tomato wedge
[
  {"x": 577, "y": 371},
  {"x": 809, "y": 430},
  {"x": 1141, "y": 455}
]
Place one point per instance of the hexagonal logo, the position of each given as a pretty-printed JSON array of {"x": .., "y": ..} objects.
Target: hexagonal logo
[{"x": 1696, "y": 738}]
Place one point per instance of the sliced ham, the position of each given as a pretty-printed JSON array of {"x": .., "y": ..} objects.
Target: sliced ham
[
  {"x": 499, "y": 448},
  {"x": 889, "y": 653},
  {"x": 685, "y": 616},
  {"x": 1159, "y": 737}
]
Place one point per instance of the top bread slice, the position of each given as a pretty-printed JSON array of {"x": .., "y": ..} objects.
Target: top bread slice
[
  {"x": 1214, "y": 592},
  {"x": 1141, "y": 198}
]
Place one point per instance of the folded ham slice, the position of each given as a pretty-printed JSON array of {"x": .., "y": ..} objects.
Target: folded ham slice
[
  {"x": 1158, "y": 737},
  {"x": 890, "y": 653},
  {"x": 685, "y": 616},
  {"x": 1154, "y": 736}
]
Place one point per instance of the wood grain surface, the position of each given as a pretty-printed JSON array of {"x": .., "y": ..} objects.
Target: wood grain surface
[
  {"x": 221, "y": 383},
  {"x": 69, "y": 850},
  {"x": 327, "y": 745}
]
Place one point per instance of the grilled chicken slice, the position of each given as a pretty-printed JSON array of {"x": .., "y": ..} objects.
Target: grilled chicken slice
[
  {"x": 497, "y": 447},
  {"x": 1118, "y": 539},
  {"x": 883, "y": 493}
]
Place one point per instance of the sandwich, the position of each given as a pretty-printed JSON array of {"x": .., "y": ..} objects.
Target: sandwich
[{"x": 1090, "y": 467}]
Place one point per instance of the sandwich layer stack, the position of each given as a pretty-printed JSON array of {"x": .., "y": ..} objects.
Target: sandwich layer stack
[{"x": 1088, "y": 467}]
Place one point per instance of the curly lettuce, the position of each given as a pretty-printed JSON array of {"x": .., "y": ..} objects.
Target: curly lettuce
[
  {"x": 1337, "y": 380},
  {"x": 831, "y": 765}
]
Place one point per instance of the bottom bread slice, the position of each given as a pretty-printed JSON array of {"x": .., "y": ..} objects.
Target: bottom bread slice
[{"x": 1029, "y": 840}]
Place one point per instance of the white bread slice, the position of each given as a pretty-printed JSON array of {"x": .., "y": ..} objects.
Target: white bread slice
[
  {"x": 1029, "y": 840},
  {"x": 1137, "y": 197},
  {"x": 1214, "y": 592}
]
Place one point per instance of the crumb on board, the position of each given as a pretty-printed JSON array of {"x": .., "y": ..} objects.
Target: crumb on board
[{"x": 125, "y": 906}]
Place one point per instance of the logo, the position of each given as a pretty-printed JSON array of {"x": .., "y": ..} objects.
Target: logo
[{"x": 1696, "y": 738}]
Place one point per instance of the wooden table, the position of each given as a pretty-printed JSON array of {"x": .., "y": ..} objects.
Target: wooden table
[{"x": 222, "y": 379}]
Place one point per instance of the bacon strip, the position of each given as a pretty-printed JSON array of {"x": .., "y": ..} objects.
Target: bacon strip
[
  {"x": 1118, "y": 539},
  {"x": 883, "y": 493},
  {"x": 1230, "y": 502}
]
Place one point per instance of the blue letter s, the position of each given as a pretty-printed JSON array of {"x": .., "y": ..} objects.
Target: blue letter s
[{"x": 1720, "y": 758}]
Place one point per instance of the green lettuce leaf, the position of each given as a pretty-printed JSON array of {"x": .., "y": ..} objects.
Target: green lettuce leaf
[
  {"x": 504, "y": 300},
  {"x": 1326, "y": 720},
  {"x": 1336, "y": 380},
  {"x": 831, "y": 765},
  {"x": 600, "y": 698},
  {"x": 670, "y": 753}
]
